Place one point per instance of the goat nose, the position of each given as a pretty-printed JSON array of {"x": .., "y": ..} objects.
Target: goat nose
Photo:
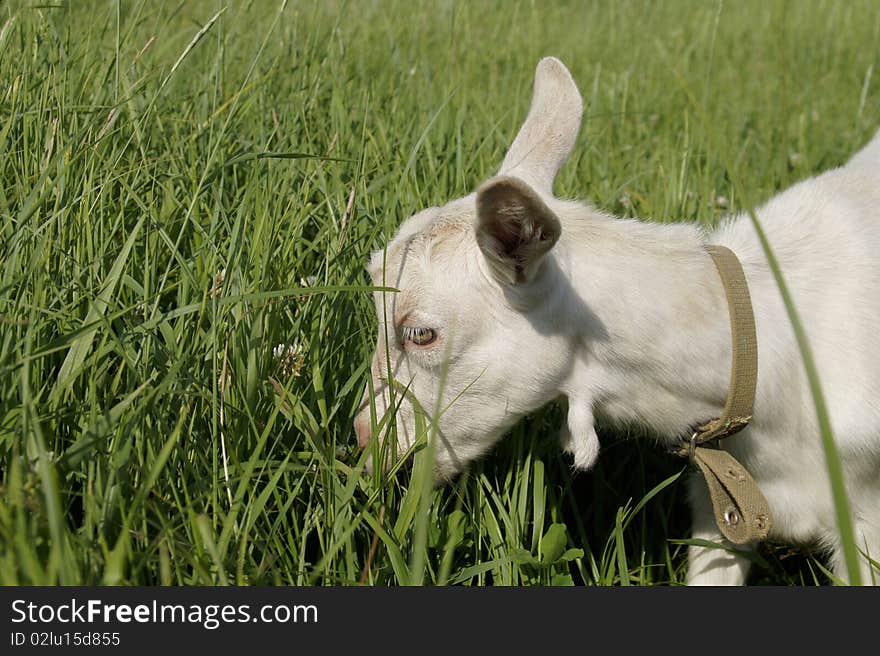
[{"x": 362, "y": 429}]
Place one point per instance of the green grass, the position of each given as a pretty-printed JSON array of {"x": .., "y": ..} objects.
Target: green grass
[{"x": 184, "y": 186}]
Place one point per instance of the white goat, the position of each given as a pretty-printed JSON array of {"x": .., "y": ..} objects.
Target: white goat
[{"x": 510, "y": 298}]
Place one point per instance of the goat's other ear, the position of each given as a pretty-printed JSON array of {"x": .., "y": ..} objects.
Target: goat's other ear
[
  {"x": 515, "y": 228},
  {"x": 549, "y": 131}
]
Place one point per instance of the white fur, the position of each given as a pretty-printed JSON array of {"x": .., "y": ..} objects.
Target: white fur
[{"x": 629, "y": 321}]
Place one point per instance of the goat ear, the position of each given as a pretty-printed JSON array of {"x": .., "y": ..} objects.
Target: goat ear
[
  {"x": 550, "y": 130},
  {"x": 515, "y": 228}
]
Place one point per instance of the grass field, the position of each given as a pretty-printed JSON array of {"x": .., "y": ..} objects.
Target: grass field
[{"x": 189, "y": 192}]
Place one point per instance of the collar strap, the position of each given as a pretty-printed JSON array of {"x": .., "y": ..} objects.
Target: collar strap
[{"x": 741, "y": 510}]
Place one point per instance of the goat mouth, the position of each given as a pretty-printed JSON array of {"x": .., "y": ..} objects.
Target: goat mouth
[
  {"x": 405, "y": 470},
  {"x": 405, "y": 467}
]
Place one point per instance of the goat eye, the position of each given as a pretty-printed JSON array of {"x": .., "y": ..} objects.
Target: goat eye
[{"x": 419, "y": 336}]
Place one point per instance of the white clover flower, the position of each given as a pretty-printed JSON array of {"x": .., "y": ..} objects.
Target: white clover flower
[{"x": 290, "y": 359}]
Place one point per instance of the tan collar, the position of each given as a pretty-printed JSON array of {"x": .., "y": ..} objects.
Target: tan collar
[{"x": 741, "y": 511}]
